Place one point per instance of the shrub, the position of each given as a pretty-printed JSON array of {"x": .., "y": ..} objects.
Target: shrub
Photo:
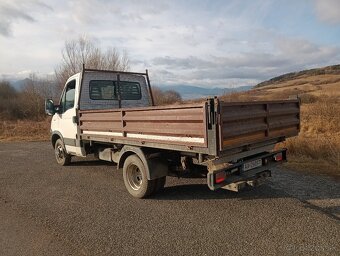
[
  {"x": 165, "y": 97},
  {"x": 9, "y": 106},
  {"x": 307, "y": 98}
]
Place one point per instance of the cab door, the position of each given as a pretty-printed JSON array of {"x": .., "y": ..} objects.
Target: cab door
[{"x": 68, "y": 117}]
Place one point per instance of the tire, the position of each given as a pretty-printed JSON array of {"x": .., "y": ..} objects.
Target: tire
[
  {"x": 60, "y": 153},
  {"x": 160, "y": 183},
  {"x": 135, "y": 178}
]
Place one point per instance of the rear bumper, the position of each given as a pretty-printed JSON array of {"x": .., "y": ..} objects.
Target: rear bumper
[{"x": 236, "y": 176}]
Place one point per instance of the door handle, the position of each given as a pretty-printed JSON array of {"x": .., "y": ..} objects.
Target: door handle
[{"x": 75, "y": 119}]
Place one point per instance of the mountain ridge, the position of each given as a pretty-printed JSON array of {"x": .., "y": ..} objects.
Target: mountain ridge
[{"x": 192, "y": 92}]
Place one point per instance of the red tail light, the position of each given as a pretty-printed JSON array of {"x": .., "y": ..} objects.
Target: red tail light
[
  {"x": 220, "y": 177},
  {"x": 278, "y": 157}
]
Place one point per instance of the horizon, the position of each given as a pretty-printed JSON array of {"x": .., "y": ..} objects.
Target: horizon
[{"x": 208, "y": 45}]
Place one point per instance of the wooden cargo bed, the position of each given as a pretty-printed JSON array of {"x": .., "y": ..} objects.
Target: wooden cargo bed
[{"x": 210, "y": 128}]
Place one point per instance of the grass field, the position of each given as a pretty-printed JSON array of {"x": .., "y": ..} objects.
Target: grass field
[{"x": 24, "y": 130}]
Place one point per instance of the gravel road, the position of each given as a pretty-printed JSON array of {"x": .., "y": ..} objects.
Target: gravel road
[{"x": 84, "y": 209}]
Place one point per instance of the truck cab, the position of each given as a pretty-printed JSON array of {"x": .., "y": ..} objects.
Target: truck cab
[
  {"x": 100, "y": 90},
  {"x": 64, "y": 120}
]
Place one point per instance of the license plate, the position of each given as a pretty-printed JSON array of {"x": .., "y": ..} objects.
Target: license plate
[{"x": 252, "y": 164}]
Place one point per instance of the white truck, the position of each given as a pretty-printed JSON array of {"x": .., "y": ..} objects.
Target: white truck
[{"x": 112, "y": 115}]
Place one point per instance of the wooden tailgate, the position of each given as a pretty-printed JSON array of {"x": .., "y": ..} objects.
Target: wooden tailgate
[{"x": 241, "y": 124}]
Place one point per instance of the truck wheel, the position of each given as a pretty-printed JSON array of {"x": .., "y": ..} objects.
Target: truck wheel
[
  {"x": 135, "y": 179},
  {"x": 60, "y": 153},
  {"x": 160, "y": 183}
]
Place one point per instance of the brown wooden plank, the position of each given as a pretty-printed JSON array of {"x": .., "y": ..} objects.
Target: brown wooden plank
[
  {"x": 283, "y": 123},
  {"x": 103, "y": 126},
  {"x": 187, "y": 129},
  {"x": 243, "y": 139},
  {"x": 226, "y": 104},
  {"x": 164, "y": 117},
  {"x": 174, "y": 114},
  {"x": 287, "y": 132},
  {"x": 283, "y": 105},
  {"x": 284, "y": 111},
  {"x": 100, "y": 117},
  {"x": 231, "y": 131},
  {"x": 242, "y": 116}
]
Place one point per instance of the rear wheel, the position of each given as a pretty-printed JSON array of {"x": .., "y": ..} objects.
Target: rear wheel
[
  {"x": 60, "y": 153},
  {"x": 135, "y": 179}
]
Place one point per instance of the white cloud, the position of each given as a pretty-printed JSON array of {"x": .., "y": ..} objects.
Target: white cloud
[
  {"x": 14, "y": 11},
  {"x": 328, "y": 10}
]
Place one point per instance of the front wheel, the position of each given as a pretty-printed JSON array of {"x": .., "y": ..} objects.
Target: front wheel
[
  {"x": 135, "y": 179},
  {"x": 60, "y": 153}
]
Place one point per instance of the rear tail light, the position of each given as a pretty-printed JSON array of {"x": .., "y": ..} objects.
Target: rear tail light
[
  {"x": 220, "y": 177},
  {"x": 278, "y": 157}
]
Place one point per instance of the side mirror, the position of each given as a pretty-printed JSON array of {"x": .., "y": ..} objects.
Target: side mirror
[{"x": 49, "y": 107}]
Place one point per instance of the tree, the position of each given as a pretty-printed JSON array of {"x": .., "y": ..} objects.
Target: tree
[
  {"x": 165, "y": 97},
  {"x": 84, "y": 51},
  {"x": 36, "y": 89},
  {"x": 8, "y": 101},
  {"x": 6, "y": 90}
]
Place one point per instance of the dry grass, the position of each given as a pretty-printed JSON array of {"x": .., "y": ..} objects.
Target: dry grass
[
  {"x": 317, "y": 149},
  {"x": 315, "y": 155},
  {"x": 24, "y": 130}
]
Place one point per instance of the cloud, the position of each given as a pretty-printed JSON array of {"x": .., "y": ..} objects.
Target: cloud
[
  {"x": 13, "y": 11},
  {"x": 186, "y": 63},
  {"x": 328, "y": 10},
  {"x": 223, "y": 43},
  {"x": 305, "y": 53},
  {"x": 87, "y": 12},
  {"x": 288, "y": 54}
]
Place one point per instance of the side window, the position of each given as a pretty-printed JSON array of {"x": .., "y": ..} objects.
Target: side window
[{"x": 67, "y": 100}]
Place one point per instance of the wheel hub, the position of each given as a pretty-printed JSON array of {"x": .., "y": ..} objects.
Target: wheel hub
[
  {"x": 134, "y": 176},
  {"x": 59, "y": 152}
]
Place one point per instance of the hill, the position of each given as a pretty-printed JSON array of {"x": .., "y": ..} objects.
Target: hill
[
  {"x": 309, "y": 85},
  {"x": 20, "y": 84},
  {"x": 329, "y": 70}
]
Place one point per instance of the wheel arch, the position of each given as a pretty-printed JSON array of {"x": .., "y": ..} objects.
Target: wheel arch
[
  {"x": 55, "y": 136},
  {"x": 154, "y": 167}
]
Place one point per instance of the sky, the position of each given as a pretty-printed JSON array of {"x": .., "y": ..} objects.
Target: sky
[{"x": 212, "y": 43}]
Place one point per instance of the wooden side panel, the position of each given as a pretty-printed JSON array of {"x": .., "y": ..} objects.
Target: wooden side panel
[
  {"x": 107, "y": 121},
  {"x": 251, "y": 122},
  {"x": 181, "y": 125}
]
